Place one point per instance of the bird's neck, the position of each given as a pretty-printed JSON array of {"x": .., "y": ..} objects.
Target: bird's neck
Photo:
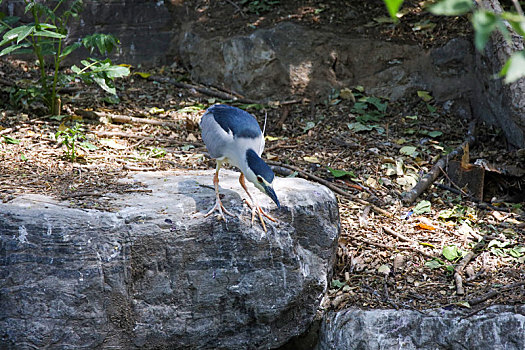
[{"x": 245, "y": 167}]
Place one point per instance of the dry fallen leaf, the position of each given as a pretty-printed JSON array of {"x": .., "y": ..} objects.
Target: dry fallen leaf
[
  {"x": 311, "y": 159},
  {"x": 424, "y": 226},
  {"x": 191, "y": 138}
]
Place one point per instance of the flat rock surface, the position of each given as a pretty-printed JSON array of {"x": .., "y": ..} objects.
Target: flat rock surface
[{"x": 157, "y": 273}]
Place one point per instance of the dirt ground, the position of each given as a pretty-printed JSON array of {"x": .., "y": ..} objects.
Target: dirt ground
[{"x": 390, "y": 255}]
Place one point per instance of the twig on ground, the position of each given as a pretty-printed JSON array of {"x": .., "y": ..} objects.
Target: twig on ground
[
  {"x": 81, "y": 194},
  {"x": 410, "y": 196},
  {"x": 474, "y": 312},
  {"x": 463, "y": 193},
  {"x": 280, "y": 145},
  {"x": 202, "y": 90},
  {"x": 214, "y": 93},
  {"x": 458, "y": 270},
  {"x": 406, "y": 239},
  {"x": 147, "y": 138},
  {"x": 137, "y": 168},
  {"x": 6, "y": 131},
  {"x": 493, "y": 293},
  {"x": 332, "y": 187},
  {"x": 237, "y": 7},
  {"x": 122, "y": 118},
  {"x": 282, "y": 119}
]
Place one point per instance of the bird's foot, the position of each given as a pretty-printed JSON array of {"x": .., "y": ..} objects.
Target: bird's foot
[
  {"x": 261, "y": 214},
  {"x": 220, "y": 208}
]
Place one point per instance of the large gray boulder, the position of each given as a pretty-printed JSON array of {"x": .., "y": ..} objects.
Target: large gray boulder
[
  {"x": 157, "y": 274},
  {"x": 498, "y": 327},
  {"x": 290, "y": 59}
]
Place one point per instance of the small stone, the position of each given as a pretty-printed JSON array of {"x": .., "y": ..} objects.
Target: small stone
[
  {"x": 399, "y": 262},
  {"x": 384, "y": 269}
]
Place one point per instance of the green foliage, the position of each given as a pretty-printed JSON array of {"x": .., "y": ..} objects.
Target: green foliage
[
  {"x": 337, "y": 284},
  {"x": 105, "y": 43},
  {"x": 437, "y": 263},
  {"x": 367, "y": 109},
  {"x": 452, "y": 253},
  {"x": 422, "y": 207},
  {"x": 45, "y": 39},
  {"x": 25, "y": 96},
  {"x": 341, "y": 173},
  {"x": 69, "y": 138},
  {"x": 393, "y": 7},
  {"x": 102, "y": 72},
  {"x": 514, "y": 67},
  {"x": 10, "y": 140},
  {"x": 484, "y": 22},
  {"x": 452, "y": 7}
]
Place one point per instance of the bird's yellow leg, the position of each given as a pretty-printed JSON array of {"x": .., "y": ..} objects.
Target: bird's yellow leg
[
  {"x": 254, "y": 207},
  {"x": 218, "y": 204}
]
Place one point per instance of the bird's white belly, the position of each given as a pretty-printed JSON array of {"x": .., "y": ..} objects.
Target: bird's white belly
[{"x": 236, "y": 150}]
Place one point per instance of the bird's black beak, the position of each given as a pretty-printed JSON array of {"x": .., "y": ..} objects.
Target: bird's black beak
[{"x": 271, "y": 193}]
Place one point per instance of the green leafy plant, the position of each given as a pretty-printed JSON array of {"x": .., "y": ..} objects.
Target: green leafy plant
[
  {"x": 10, "y": 140},
  {"x": 499, "y": 248},
  {"x": 484, "y": 22},
  {"x": 368, "y": 109},
  {"x": 69, "y": 138},
  {"x": 451, "y": 253},
  {"x": 422, "y": 207},
  {"x": 341, "y": 173},
  {"x": 45, "y": 38}
]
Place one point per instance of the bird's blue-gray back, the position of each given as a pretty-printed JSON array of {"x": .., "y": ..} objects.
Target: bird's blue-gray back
[{"x": 233, "y": 119}]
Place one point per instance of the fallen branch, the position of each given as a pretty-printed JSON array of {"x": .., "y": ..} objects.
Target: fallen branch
[
  {"x": 202, "y": 90},
  {"x": 458, "y": 270},
  {"x": 137, "y": 168},
  {"x": 326, "y": 183},
  {"x": 6, "y": 131},
  {"x": 146, "y": 138},
  {"x": 280, "y": 144},
  {"x": 282, "y": 119},
  {"x": 122, "y": 118},
  {"x": 493, "y": 293},
  {"x": 410, "y": 196},
  {"x": 218, "y": 94}
]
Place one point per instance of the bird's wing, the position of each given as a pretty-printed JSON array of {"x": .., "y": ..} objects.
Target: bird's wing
[{"x": 217, "y": 140}]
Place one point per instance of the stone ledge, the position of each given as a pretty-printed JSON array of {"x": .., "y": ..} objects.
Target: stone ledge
[
  {"x": 497, "y": 327},
  {"x": 156, "y": 273}
]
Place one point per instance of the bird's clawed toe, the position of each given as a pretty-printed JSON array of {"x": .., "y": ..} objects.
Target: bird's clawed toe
[
  {"x": 261, "y": 214},
  {"x": 220, "y": 209}
]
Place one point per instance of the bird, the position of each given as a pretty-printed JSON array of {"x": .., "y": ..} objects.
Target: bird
[{"x": 234, "y": 136}]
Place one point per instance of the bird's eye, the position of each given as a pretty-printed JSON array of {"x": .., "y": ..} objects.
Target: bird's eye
[{"x": 259, "y": 179}]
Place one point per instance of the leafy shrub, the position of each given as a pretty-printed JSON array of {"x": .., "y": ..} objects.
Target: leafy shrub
[{"x": 45, "y": 38}]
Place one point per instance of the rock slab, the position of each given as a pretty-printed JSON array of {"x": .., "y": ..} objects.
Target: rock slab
[
  {"x": 498, "y": 327},
  {"x": 156, "y": 273}
]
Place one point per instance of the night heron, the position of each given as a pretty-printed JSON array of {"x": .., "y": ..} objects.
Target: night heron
[{"x": 233, "y": 136}]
